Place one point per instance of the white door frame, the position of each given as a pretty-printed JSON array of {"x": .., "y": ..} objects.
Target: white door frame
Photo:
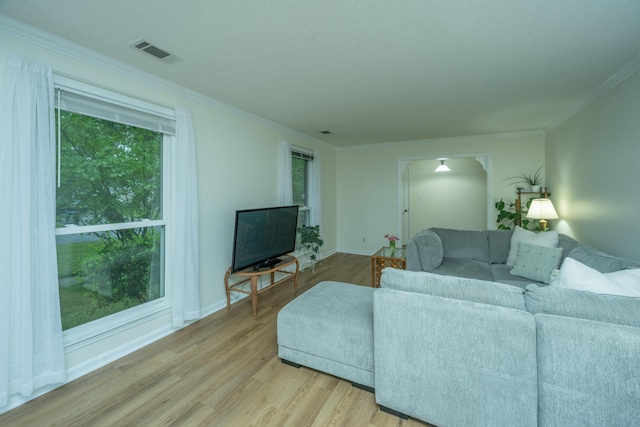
[{"x": 403, "y": 189}]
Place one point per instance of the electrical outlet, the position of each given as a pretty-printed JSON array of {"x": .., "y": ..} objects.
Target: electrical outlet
[{"x": 364, "y": 239}]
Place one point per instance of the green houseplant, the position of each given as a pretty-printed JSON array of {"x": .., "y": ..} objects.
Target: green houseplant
[
  {"x": 508, "y": 218},
  {"x": 310, "y": 242},
  {"x": 532, "y": 180}
]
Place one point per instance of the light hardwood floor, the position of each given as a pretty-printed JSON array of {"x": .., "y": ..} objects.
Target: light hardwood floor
[{"x": 223, "y": 370}]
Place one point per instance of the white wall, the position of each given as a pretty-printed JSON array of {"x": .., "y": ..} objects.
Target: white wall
[
  {"x": 593, "y": 167},
  {"x": 368, "y": 180},
  {"x": 455, "y": 199},
  {"x": 237, "y": 168}
]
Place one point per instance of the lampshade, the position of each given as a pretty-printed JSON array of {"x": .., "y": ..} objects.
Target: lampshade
[
  {"x": 542, "y": 209},
  {"x": 442, "y": 167}
]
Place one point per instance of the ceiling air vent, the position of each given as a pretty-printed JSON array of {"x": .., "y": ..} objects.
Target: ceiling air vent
[{"x": 155, "y": 51}]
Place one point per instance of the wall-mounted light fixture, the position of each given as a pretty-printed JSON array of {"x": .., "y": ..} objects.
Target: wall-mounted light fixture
[{"x": 442, "y": 167}]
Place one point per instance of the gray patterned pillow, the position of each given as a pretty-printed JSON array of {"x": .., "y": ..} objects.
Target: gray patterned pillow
[{"x": 536, "y": 262}]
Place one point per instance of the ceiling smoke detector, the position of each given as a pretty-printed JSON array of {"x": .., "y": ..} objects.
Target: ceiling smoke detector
[{"x": 155, "y": 51}]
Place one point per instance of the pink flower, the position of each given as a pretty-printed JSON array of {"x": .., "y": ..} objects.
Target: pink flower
[{"x": 391, "y": 237}]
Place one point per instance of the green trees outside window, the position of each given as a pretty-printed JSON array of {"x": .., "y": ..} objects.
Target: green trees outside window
[
  {"x": 110, "y": 188},
  {"x": 300, "y": 180}
]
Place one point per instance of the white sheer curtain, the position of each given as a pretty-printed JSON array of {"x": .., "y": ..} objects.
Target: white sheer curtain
[
  {"x": 31, "y": 342},
  {"x": 316, "y": 192},
  {"x": 186, "y": 259},
  {"x": 284, "y": 184}
]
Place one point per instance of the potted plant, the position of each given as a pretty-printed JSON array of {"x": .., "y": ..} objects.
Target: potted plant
[
  {"x": 534, "y": 181},
  {"x": 508, "y": 218},
  {"x": 310, "y": 242}
]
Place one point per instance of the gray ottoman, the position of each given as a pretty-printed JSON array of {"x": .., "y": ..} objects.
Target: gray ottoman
[{"x": 330, "y": 328}]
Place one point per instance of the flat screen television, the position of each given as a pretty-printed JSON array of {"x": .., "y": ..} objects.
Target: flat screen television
[{"x": 262, "y": 235}]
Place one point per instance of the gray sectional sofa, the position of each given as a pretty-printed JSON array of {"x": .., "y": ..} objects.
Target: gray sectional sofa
[
  {"x": 462, "y": 352},
  {"x": 489, "y": 254},
  {"x": 455, "y": 348}
]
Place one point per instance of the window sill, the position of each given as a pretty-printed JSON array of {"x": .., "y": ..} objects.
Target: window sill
[{"x": 100, "y": 329}]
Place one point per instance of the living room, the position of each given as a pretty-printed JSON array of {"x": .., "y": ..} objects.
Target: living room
[{"x": 589, "y": 154}]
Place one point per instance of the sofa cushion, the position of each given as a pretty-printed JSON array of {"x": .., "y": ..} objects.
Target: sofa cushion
[
  {"x": 465, "y": 268},
  {"x": 464, "y": 244},
  {"x": 454, "y": 363},
  {"x": 567, "y": 244},
  {"x": 596, "y": 259},
  {"x": 502, "y": 274},
  {"x": 536, "y": 262},
  {"x": 587, "y": 372},
  {"x": 575, "y": 275},
  {"x": 460, "y": 288},
  {"x": 499, "y": 244},
  {"x": 429, "y": 249},
  {"x": 582, "y": 304},
  {"x": 545, "y": 238}
]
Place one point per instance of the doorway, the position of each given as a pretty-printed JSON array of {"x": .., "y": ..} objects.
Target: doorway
[{"x": 459, "y": 199}]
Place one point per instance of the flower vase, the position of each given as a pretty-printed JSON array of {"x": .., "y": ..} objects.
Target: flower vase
[{"x": 392, "y": 245}]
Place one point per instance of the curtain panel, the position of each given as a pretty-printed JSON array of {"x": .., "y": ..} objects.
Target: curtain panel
[
  {"x": 186, "y": 264},
  {"x": 316, "y": 191},
  {"x": 284, "y": 185},
  {"x": 31, "y": 342}
]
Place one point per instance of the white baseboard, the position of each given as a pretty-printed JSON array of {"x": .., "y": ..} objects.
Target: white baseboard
[{"x": 355, "y": 252}]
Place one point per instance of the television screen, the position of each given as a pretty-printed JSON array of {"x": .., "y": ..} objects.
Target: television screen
[{"x": 262, "y": 235}]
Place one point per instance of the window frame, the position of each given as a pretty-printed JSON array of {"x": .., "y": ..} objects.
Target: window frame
[{"x": 96, "y": 330}]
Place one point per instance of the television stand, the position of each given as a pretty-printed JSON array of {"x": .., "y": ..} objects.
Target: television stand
[
  {"x": 253, "y": 276},
  {"x": 267, "y": 264}
]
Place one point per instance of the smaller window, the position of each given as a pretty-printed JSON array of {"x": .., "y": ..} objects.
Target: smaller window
[{"x": 301, "y": 164}]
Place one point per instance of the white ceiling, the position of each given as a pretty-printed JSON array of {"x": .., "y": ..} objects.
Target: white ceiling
[{"x": 368, "y": 71}]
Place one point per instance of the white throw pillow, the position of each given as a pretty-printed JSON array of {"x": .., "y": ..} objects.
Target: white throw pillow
[
  {"x": 628, "y": 279},
  {"x": 548, "y": 239},
  {"x": 578, "y": 276}
]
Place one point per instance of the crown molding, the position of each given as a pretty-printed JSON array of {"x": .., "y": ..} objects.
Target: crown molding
[
  {"x": 457, "y": 139},
  {"x": 626, "y": 71},
  {"x": 38, "y": 37}
]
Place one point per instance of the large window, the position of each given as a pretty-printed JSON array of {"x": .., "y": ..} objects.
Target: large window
[
  {"x": 301, "y": 166},
  {"x": 110, "y": 206}
]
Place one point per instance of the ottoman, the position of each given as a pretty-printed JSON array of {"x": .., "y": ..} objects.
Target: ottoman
[{"x": 330, "y": 328}]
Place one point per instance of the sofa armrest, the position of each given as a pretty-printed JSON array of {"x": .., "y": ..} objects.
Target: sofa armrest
[
  {"x": 424, "y": 251},
  {"x": 451, "y": 362},
  {"x": 412, "y": 256},
  {"x": 587, "y": 372}
]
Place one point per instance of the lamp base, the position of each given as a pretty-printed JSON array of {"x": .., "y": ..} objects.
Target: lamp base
[{"x": 543, "y": 224}]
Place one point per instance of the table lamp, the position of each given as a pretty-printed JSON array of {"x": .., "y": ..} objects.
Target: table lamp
[{"x": 542, "y": 209}]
